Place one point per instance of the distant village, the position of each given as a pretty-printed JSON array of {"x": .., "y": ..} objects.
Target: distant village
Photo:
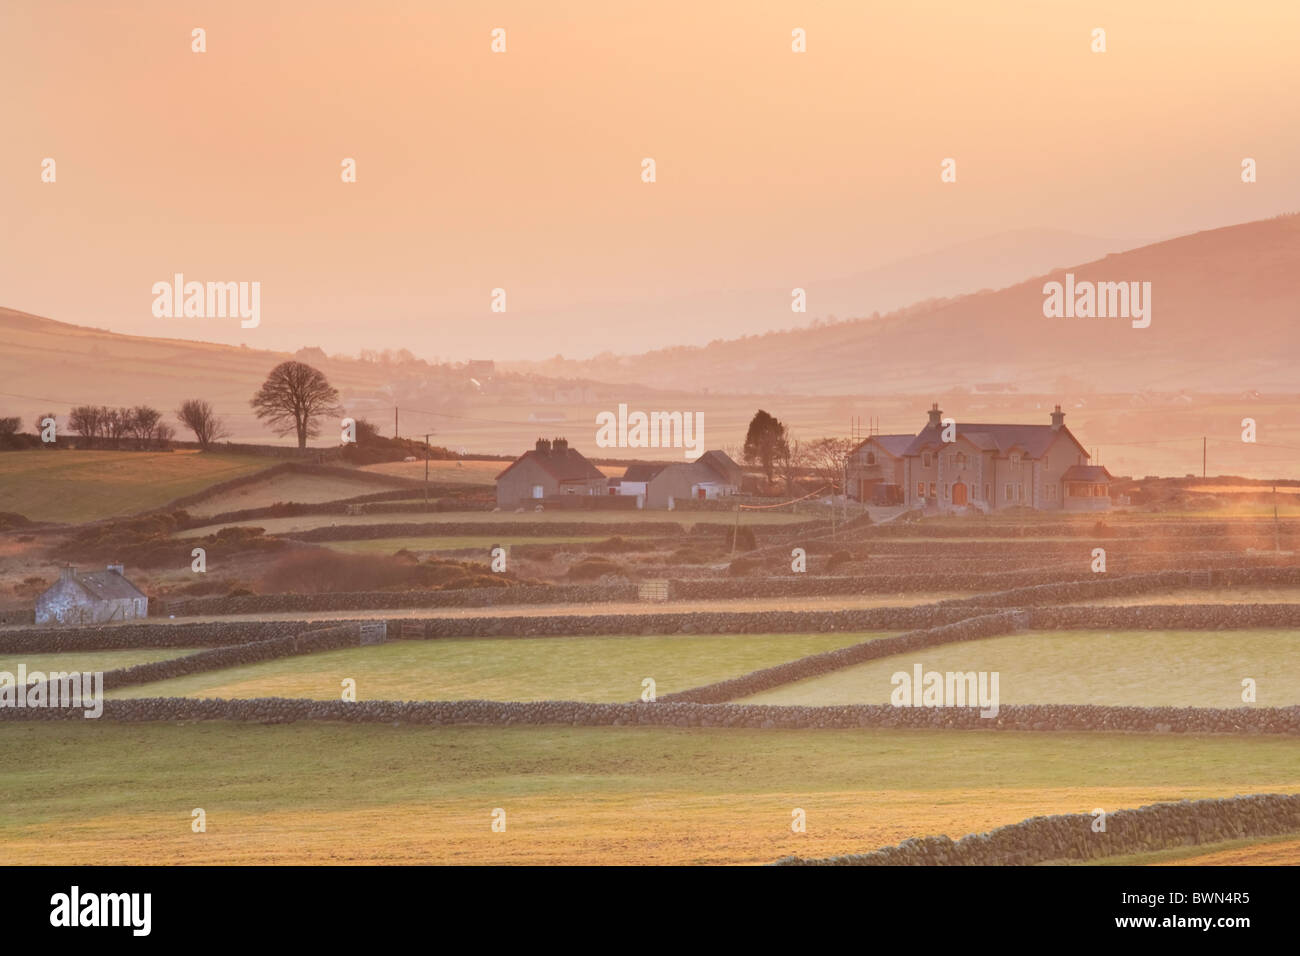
[{"x": 946, "y": 467}]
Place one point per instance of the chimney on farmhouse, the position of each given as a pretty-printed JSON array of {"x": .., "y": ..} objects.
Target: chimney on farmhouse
[
  {"x": 561, "y": 445},
  {"x": 543, "y": 446},
  {"x": 1058, "y": 419},
  {"x": 68, "y": 572},
  {"x": 117, "y": 569},
  {"x": 936, "y": 416}
]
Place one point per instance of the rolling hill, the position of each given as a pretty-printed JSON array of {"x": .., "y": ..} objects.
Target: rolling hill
[{"x": 1225, "y": 304}]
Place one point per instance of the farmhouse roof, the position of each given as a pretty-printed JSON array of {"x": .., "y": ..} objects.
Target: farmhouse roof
[
  {"x": 1087, "y": 473},
  {"x": 640, "y": 471},
  {"x": 1034, "y": 439},
  {"x": 895, "y": 445},
  {"x": 563, "y": 464},
  {"x": 722, "y": 464}
]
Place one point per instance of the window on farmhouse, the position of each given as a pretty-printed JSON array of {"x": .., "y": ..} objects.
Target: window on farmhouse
[{"x": 925, "y": 459}]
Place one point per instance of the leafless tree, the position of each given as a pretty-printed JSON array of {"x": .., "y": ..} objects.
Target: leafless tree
[
  {"x": 199, "y": 417},
  {"x": 88, "y": 422},
  {"x": 143, "y": 423},
  {"x": 827, "y": 458},
  {"x": 116, "y": 424},
  {"x": 293, "y": 398}
]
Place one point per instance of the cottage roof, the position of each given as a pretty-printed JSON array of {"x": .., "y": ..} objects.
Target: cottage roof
[
  {"x": 107, "y": 586},
  {"x": 640, "y": 471},
  {"x": 694, "y": 472},
  {"x": 565, "y": 464},
  {"x": 720, "y": 462}
]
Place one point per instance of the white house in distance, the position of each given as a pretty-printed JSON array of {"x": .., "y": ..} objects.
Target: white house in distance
[
  {"x": 712, "y": 475},
  {"x": 96, "y": 597}
]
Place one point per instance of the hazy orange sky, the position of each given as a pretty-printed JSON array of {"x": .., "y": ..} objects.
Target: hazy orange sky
[{"x": 522, "y": 170}]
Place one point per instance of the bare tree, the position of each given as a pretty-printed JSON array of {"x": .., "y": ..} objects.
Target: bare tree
[
  {"x": 88, "y": 422},
  {"x": 827, "y": 458},
  {"x": 143, "y": 422},
  {"x": 293, "y": 398},
  {"x": 116, "y": 423},
  {"x": 199, "y": 417}
]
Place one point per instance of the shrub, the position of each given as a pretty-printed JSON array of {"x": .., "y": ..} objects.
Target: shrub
[
  {"x": 838, "y": 559},
  {"x": 321, "y": 571},
  {"x": 615, "y": 545},
  {"x": 591, "y": 568}
]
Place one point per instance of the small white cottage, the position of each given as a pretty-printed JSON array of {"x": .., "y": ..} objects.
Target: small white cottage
[{"x": 96, "y": 597}]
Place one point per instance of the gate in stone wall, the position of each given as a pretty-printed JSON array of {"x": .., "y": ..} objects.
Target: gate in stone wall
[
  {"x": 374, "y": 632},
  {"x": 653, "y": 590}
]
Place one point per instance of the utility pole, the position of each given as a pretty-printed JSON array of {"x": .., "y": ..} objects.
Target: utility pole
[
  {"x": 736, "y": 532},
  {"x": 1202, "y": 456},
  {"x": 394, "y": 421},
  {"x": 426, "y": 469},
  {"x": 1277, "y": 541}
]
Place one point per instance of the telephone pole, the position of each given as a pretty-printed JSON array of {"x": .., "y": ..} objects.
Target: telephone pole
[
  {"x": 1277, "y": 540},
  {"x": 426, "y": 469},
  {"x": 394, "y": 421}
]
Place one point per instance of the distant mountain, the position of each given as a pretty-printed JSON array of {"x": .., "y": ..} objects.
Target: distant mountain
[
  {"x": 1225, "y": 307},
  {"x": 990, "y": 262}
]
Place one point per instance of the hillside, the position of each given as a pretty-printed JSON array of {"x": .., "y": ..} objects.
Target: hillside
[
  {"x": 50, "y": 366},
  {"x": 1224, "y": 306}
]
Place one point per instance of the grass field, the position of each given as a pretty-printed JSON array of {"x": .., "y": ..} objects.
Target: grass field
[
  {"x": 1251, "y": 595},
  {"x": 601, "y": 669},
  {"x": 467, "y": 472},
  {"x": 301, "y": 488},
  {"x": 93, "y": 792},
  {"x": 74, "y": 486},
  {"x": 822, "y": 603},
  {"x": 685, "y": 519},
  {"x": 453, "y": 543},
  {"x": 89, "y": 660},
  {"x": 1122, "y": 668},
  {"x": 1268, "y": 851}
]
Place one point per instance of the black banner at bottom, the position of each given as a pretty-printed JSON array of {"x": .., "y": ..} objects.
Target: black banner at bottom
[{"x": 331, "y": 904}]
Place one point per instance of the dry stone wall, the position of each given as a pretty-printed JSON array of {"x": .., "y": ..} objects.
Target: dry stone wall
[{"x": 1157, "y": 826}]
